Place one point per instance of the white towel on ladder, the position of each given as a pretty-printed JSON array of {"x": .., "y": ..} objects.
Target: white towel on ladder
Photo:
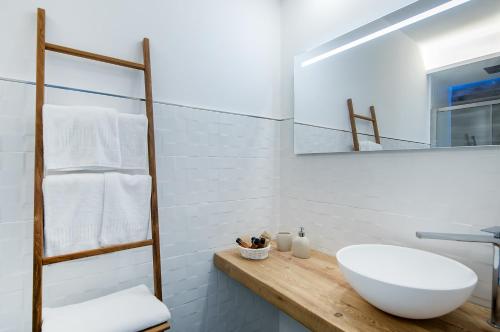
[
  {"x": 73, "y": 206},
  {"x": 129, "y": 310},
  {"x": 126, "y": 208},
  {"x": 133, "y": 141},
  {"x": 80, "y": 137}
]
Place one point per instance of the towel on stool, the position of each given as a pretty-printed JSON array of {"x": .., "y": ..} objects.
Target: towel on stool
[
  {"x": 133, "y": 141},
  {"x": 126, "y": 208},
  {"x": 130, "y": 310},
  {"x": 73, "y": 212},
  {"x": 79, "y": 137}
]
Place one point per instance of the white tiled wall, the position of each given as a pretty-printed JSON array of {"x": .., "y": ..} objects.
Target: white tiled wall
[
  {"x": 221, "y": 175},
  {"x": 217, "y": 178},
  {"x": 385, "y": 197}
]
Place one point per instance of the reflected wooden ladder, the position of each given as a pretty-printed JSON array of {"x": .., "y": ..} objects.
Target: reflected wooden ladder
[
  {"x": 353, "y": 116},
  {"x": 38, "y": 257}
]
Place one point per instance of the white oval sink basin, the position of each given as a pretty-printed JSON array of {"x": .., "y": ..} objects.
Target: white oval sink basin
[{"x": 406, "y": 282}]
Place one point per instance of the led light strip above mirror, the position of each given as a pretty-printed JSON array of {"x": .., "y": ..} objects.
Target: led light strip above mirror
[{"x": 414, "y": 19}]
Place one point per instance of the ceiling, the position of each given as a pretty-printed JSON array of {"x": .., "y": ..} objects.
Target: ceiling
[
  {"x": 472, "y": 72},
  {"x": 465, "y": 32}
]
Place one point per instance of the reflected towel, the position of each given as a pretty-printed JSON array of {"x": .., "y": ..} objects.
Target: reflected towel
[
  {"x": 126, "y": 208},
  {"x": 79, "y": 137},
  {"x": 73, "y": 212},
  {"x": 369, "y": 146}
]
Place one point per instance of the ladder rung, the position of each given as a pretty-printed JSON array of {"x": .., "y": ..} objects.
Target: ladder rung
[
  {"x": 95, "y": 252},
  {"x": 363, "y": 117},
  {"x": 158, "y": 328},
  {"x": 93, "y": 56}
]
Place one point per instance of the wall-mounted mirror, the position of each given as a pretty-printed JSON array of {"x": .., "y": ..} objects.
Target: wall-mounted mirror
[{"x": 425, "y": 76}]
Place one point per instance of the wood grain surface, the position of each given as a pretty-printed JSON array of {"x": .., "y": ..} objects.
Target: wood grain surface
[{"x": 314, "y": 292}]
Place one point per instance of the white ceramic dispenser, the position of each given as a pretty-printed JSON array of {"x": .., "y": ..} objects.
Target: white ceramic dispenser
[{"x": 300, "y": 245}]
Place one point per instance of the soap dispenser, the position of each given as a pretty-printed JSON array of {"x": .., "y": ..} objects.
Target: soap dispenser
[{"x": 300, "y": 245}]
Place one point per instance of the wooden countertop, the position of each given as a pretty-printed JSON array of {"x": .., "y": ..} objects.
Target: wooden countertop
[{"x": 314, "y": 292}]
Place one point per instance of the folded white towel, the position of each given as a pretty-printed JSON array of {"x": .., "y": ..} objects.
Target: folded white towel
[
  {"x": 133, "y": 141},
  {"x": 130, "y": 310},
  {"x": 78, "y": 137},
  {"x": 126, "y": 208},
  {"x": 73, "y": 212},
  {"x": 369, "y": 146}
]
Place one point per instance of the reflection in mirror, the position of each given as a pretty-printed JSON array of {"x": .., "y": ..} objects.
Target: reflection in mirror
[{"x": 425, "y": 76}]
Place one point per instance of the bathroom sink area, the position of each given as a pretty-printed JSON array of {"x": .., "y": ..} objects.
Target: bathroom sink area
[{"x": 406, "y": 282}]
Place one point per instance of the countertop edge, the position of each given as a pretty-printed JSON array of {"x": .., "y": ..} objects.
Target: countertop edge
[{"x": 282, "y": 302}]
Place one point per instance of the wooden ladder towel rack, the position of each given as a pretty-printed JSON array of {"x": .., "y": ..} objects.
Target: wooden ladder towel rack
[
  {"x": 38, "y": 256},
  {"x": 353, "y": 116}
]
